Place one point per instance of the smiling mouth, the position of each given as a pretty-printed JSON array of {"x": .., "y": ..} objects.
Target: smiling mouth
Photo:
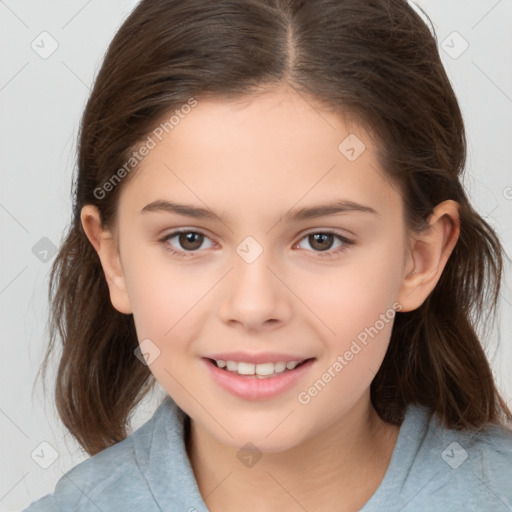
[{"x": 261, "y": 370}]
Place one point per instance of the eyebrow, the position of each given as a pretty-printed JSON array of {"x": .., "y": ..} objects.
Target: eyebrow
[{"x": 311, "y": 212}]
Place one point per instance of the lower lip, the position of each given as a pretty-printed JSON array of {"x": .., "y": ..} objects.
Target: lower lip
[{"x": 254, "y": 388}]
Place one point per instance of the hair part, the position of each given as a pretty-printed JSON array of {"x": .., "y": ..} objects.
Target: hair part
[{"x": 388, "y": 78}]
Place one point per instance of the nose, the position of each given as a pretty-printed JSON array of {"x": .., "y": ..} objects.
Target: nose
[{"x": 254, "y": 295}]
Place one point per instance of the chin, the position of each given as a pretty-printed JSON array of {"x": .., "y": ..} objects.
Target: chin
[{"x": 265, "y": 438}]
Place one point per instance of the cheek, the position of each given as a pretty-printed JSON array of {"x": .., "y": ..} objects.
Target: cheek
[
  {"x": 166, "y": 304},
  {"x": 360, "y": 312},
  {"x": 352, "y": 296},
  {"x": 163, "y": 295},
  {"x": 356, "y": 304}
]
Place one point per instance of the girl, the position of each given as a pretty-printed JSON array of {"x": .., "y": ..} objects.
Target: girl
[{"x": 269, "y": 223}]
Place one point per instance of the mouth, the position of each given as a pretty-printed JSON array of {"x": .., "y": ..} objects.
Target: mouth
[
  {"x": 258, "y": 376},
  {"x": 258, "y": 371}
]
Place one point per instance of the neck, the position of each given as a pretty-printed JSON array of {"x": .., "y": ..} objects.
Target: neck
[{"x": 338, "y": 469}]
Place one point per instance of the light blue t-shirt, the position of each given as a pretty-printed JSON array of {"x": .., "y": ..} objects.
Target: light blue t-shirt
[{"x": 431, "y": 469}]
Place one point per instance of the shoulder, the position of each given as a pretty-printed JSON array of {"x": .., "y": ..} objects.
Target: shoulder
[
  {"x": 110, "y": 480},
  {"x": 99, "y": 483},
  {"x": 461, "y": 470},
  {"x": 480, "y": 464}
]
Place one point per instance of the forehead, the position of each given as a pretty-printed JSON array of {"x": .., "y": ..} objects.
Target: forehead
[{"x": 274, "y": 150}]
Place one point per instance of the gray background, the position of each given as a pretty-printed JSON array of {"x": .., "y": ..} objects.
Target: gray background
[{"x": 41, "y": 101}]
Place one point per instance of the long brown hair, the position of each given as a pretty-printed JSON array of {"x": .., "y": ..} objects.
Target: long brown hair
[{"x": 376, "y": 62}]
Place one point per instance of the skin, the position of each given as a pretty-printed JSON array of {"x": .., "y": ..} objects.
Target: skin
[{"x": 254, "y": 162}]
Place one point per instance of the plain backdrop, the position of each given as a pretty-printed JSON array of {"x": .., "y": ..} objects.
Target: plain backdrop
[{"x": 41, "y": 100}]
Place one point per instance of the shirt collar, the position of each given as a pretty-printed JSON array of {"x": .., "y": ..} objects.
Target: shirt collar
[{"x": 160, "y": 452}]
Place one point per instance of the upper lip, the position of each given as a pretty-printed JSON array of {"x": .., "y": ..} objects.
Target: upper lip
[{"x": 259, "y": 358}]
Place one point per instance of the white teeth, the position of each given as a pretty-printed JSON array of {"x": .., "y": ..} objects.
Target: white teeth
[
  {"x": 281, "y": 367},
  {"x": 246, "y": 368},
  {"x": 232, "y": 366},
  {"x": 263, "y": 369}
]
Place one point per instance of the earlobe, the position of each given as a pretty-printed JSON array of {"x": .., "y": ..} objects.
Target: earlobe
[
  {"x": 429, "y": 253},
  {"x": 105, "y": 245}
]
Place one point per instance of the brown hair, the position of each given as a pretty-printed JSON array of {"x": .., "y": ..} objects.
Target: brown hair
[{"x": 374, "y": 61}]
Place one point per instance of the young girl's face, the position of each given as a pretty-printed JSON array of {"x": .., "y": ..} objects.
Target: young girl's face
[{"x": 268, "y": 276}]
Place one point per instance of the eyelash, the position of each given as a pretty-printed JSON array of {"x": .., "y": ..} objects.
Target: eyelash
[{"x": 322, "y": 254}]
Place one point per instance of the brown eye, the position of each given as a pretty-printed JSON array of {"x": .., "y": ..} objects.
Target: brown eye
[
  {"x": 321, "y": 241},
  {"x": 190, "y": 241},
  {"x": 185, "y": 242}
]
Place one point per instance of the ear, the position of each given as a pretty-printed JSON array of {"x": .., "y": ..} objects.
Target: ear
[
  {"x": 428, "y": 254},
  {"x": 106, "y": 246}
]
